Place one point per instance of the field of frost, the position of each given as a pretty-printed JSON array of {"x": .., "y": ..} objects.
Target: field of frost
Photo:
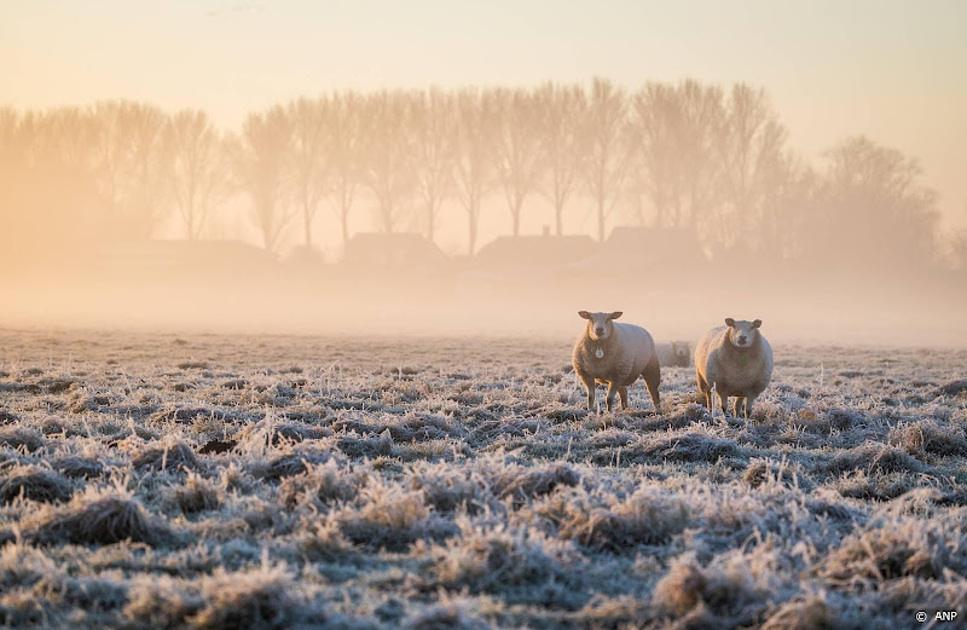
[{"x": 230, "y": 482}]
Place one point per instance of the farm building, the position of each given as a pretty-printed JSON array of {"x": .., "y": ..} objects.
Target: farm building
[
  {"x": 529, "y": 253},
  {"x": 195, "y": 260},
  {"x": 398, "y": 252},
  {"x": 640, "y": 249}
]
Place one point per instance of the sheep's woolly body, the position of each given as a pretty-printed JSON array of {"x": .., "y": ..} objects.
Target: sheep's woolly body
[
  {"x": 674, "y": 354},
  {"x": 618, "y": 361},
  {"x": 732, "y": 371}
]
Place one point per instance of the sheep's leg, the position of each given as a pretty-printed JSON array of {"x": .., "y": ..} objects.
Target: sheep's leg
[
  {"x": 740, "y": 406},
  {"x": 748, "y": 406},
  {"x": 623, "y": 394},
  {"x": 703, "y": 390},
  {"x": 652, "y": 375},
  {"x": 589, "y": 386},
  {"x": 612, "y": 390},
  {"x": 724, "y": 400}
]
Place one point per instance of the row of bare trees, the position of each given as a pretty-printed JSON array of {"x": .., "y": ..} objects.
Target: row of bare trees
[{"x": 684, "y": 155}]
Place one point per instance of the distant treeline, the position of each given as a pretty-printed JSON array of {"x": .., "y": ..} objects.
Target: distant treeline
[{"x": 669, "y": 155}]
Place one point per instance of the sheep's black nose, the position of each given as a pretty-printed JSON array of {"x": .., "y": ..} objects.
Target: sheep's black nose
[
  {"x": 600, "y": 331},
  {"x": 742, "y": 338}
]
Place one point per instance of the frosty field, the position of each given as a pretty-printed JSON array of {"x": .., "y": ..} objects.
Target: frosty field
[{"x": 219, "y": 481}]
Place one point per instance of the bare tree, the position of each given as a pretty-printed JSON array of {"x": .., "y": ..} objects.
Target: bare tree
[
  {"x": 517, "y": 156},
  {"x": 262, "y": 164},
  {"x": 607, "y": 149},
  {"x": 110, "y": 153},
  {"x": 433, "y": 122},
  {"x": 17, "y": 140},
  {"x": 151, "y": 165},
  {"x": 958, "y": 248},
  {"x": 753, "y": 159},
  {"x": 674, "y": 129},
  {"x": 308, "y": 121},
  {"x": 655, "y": 130},
  {"x": 134, "y": 164},
  {"x": 49, "y": 199},
  {"x": 562, "y": 112},
  {"x": 474, "y": 164},
  {"x": 873, "y": 208},
  {"x": 201, "y": 174},
  {"x": 344, "y": 139},
  {"x": 388, "y": 159},
  {"x": 69, "y": 136}
]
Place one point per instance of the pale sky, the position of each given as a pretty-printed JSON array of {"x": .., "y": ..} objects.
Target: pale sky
[{"x": 896, "y": 71}]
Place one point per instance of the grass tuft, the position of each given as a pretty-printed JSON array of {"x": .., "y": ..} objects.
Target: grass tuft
[
  {"x": 34, "y": 483},
  {"x": 93, "y": 519}
]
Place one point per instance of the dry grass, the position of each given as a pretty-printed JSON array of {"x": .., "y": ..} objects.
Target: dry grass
[
  {"x": 172, "y": 456},
  {"x": 448, "y": 483},
  {"x": 98, "y": 519},
  {"x": 34, "y": 483}
]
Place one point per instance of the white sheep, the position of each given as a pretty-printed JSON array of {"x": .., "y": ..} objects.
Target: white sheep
[
  {"x": 674, "y": 354},
  {"x": 615, "y": 355},
  {"x": 735, "y": 360}
]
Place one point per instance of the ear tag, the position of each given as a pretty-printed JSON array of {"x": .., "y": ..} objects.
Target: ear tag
[{"x": 599, "y": 353}]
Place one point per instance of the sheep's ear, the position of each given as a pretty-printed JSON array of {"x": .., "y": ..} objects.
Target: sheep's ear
[
  {"x": 729, "y": 322},
  {"x": 615, "y": 315},
  {"x": 757, "y": 323},
  {"x": 584, "y": 314}
]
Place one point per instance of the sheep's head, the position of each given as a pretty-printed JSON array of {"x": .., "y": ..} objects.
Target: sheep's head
[
  {"x": 743, "y": 333},
  {"x": 600, "y": 325}
]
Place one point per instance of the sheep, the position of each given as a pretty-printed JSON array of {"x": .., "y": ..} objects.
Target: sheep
[
  {"x": 736, "y": 360},
  {"x": 674, "y": 354},
  {"x": 681, "y": 354},
  {"x": 615, "y": 355}
]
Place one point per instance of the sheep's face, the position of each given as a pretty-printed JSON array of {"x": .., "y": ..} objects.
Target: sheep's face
[
  {"x": 743, "y": 333},
  {"x": 681, "y": 351},
  {"x": 600, "y": 325}
]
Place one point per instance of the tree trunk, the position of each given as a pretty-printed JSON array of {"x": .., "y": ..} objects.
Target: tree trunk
[
  {"x": 516, "y": 219},
  {"x": 307, "y": 224},
  {"x": 559, "y": 219},
  {"x": 387, "y": 212},
  {"x": 473, "y": 232},
  {"x": 600, "y": 220},
  {"x": 430, "y": 220}
]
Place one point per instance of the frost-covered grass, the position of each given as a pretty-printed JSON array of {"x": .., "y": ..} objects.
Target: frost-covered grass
[{"x": 207, "y": 481}]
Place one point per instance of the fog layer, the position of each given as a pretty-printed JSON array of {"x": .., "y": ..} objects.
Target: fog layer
[{"x": 497, "y": 211}]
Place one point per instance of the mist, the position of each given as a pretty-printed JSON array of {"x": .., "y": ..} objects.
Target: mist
[
  {"x": 475, "y": 210},
  {"x": 306, "y": 314}
]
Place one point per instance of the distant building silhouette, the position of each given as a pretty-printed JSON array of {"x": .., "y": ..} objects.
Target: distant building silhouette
[
  {"x": 522, "y": 253},
  {"x": 400, "y": 252},
  {"x": 638, "y": 249},
  {"x": 185, "y": 259}
]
